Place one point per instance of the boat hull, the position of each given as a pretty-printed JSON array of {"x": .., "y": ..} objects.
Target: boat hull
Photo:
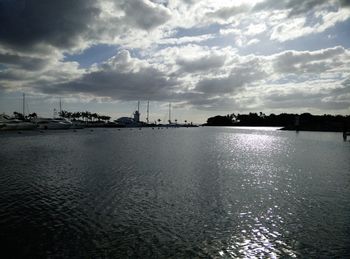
[{"x": 18, "y": 126}]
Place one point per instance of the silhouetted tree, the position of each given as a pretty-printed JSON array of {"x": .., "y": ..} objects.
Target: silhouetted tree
[
  {"x": 18, "y": 116},
  {"x": 32, "y": 116},
  {"x": 307, "y": 121}
]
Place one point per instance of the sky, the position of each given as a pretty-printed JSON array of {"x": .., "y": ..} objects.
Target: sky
[{"x": 204, "y": 57}]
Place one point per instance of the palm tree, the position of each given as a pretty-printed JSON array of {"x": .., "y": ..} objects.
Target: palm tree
[
  {"x": 63, "y": 114},
  {"x": 94, "y": 116},
  {"x": 18, "y": 115},
  {"x": 89, "y": 115},
  {"x": 32, "y": 116},
  {"x": 85, "y": 115},
  {"x": 69, "y": 115},
  {"x": 74, "y": 115},
  {"x": 78, "y": 115}
]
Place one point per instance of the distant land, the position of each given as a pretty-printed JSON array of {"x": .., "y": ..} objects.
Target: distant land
[{"x": 287, "y": 121}]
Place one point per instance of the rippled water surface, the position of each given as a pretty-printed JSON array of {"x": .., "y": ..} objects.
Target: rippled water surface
[{"x": 181, "y": 193}]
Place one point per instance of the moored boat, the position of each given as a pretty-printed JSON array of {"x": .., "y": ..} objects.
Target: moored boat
[
  {"x": 8, "y": 123},
  {"x": 53, "y": 123}
]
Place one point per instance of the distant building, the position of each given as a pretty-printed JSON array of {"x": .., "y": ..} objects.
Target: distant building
[
  {"x": 137, "y": 115},
  {"x": 130, "y": 122}
]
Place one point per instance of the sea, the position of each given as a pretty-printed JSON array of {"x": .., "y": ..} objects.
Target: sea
[{"x": 207, "y": 192}]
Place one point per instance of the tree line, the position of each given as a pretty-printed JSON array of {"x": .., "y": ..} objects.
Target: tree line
[
  {"x": 288, "y": 121},
  {"x": 85, "y": 116}
]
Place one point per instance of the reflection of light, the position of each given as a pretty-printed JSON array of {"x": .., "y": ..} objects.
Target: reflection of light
[
  {"x": 257, "y": 143},
  {"x": 256, "y": 240},
  {"x": 258, "y": 128}
]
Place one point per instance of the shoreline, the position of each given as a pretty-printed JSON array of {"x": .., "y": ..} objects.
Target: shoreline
[{"x": 283, "y": 128}]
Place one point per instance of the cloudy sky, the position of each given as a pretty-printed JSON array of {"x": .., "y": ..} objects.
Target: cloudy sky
[{"x": 206, "y": 57}]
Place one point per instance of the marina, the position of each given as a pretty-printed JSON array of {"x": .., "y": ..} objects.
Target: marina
[
  {"x": 68, "y": 120},
  {"x": 174, "y": 129}
]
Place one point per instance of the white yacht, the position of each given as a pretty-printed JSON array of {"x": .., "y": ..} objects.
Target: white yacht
[
  {"x": 53, "y": 123},
  {"x": 8, "y": 123}
]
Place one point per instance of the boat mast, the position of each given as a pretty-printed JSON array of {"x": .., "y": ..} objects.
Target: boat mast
[
  {"x": 60, "y": 106},
  {"x": 169, "y": 113},
  {"x": 147, "y": 119},
  {"x": 23, "y": 104}
]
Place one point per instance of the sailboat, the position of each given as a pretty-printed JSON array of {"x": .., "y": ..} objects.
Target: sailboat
[
  {"x": 171, "y": 124},
  {"x": 10, "y": 123},
  {"x": 54, "y": 123}
]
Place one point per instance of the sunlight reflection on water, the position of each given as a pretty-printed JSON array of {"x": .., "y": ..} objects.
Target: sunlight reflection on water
[
  {"x": 258, "y": 241},
  {"x": 259, "y": 234},
  {"x": 177, "y": 193}
]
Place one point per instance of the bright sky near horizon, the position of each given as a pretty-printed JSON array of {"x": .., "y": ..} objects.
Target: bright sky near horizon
[{"x": 205, "y": 57}]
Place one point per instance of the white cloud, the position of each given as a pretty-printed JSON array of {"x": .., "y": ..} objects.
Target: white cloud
[
  {"x": 184, "y": 40},
  {"x": 254, "y": 29},
  {"x": 295, "y": 27},
  {"x": 253, "y": 42}
]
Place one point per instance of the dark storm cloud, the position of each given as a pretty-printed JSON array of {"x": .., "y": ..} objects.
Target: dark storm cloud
[
  {"x": 26, "y": 63},
  {"x": 9, "y": 75},
  {"x": 25, "y": 23}
]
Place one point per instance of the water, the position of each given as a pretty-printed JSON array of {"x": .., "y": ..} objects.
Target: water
[{"x": 174, "y": 193}]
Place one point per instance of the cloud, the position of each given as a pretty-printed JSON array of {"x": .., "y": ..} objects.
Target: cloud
[
  {"x": 297, "y": 27},
  {"x": 239, "y": 76},
  {"x": 29, "y": 23},
  {"x": 255, "y": 29},
  {"x": 144, "y": 14},
  {"x": 253, "y": 42},
  {"x": 39, "y": 26},
  {"x": 227, "y": 12},
  {"x": 304, "y": 100},
  {"x": 120, "y": 78},
  {"x": 345, "y": 3},
  {"x": 22, "y": 62},
  {"x": 306, "y": 61},
  {"x": 204, "y": 63},
  {"x": 296, "y": 7},
  {"x": 185, "y": 40}
]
